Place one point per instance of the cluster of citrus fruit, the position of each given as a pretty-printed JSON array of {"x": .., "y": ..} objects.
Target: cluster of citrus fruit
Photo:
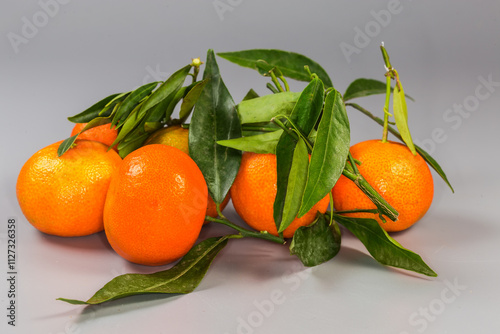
[
  {"x": 152, "y": 197},
  {"x": 152, "y": 204}
]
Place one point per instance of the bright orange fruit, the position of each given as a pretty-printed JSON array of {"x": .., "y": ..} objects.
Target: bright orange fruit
[
  {"x": 102, "y": 133},
  {"x": 254, "y": 190},
  {"x": 65, "y": 195},
  {"x": 178, "y": 137},
  {"x": 155, "y": 206},
  {"x": 403, "y": 179}
]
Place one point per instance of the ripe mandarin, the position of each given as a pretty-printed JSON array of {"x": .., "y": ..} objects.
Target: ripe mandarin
[
  {"x": 102, "y": 133},
  {"x": 403, "y": 179},
  {"x": 178, "y": 137},
  {"x": 65, "y": 195},
  {"x": 254, "y": 190},
  {"x": 155, "y": 206}
]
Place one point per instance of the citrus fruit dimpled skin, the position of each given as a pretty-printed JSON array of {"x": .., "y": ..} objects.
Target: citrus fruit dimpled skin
[
  {"x": 254, "y": 190},
  {"x": 102, "y": 133},
  {"x": 178, "y": 137},
  {"x": 65, "y": 195},
  {"x": 155, "y": 206},
  {"x": 403, "y": 179}
]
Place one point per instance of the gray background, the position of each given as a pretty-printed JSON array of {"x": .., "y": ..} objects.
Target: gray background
[{"x": 86, "y": 50}]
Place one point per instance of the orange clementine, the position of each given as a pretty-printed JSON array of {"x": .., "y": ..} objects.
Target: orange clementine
[
  {"x": 155, "y": 206},
  {"x": 102, "y": 133},
  {"x": 65, "y": 195},
  {"x": 178, "y": 137},
  {"x": 254, "y": 190},
  {"x": 403, "y": 179}
]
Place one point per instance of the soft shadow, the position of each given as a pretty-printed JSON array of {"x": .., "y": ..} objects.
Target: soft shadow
[
  {"x": 90, "y": 242},
  {"x": 123, "y": 306}
]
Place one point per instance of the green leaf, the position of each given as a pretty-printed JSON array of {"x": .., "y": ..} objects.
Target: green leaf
[
  {"x": 184, "y": 277},
  {"x": 190, "y": 99},
  {"x": 171, "y": 85},
  {"x": 68, "y": 143},
  {"x": 131, "y": 102},
  {"x": 92, "y": 112},
  {"x": 433, "y": 163},
  {"x": 265, "y": 69},
  {"x": 291, "y": 64},
  {"x": 131, "y": 143},
  {"x": 427, "y": 157},
  {"x": 401, "y": 116},
  {"x": 152, "y": 108},
  {"x": 365, "y": 87},
  {"x": 382, "y": 247},
  {"x": 329, "y": 153},
  {"x": 215, "y": 118},
  {"x": 306, "y": 111},
  {"x": 296, "y": 184},
  {"x": 262, "y": 109},
  {"x": 284, "y": 158},
  {"x": 251, "y": 94},
  {"x": 304, "y": 116},
  {"x": 174, "y": 99},
  {"x": 316, "y": 243},
  {"x": 165, "y": 108},
  {"x": 261, "y": 143},
  {"x": 132, "y": 122}
]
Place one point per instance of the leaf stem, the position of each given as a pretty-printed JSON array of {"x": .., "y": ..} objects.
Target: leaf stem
[
  {"x": 356, "y": 211},
  {"x": 386, "y": 109},
  {"x": 353, "y": 163},
  {"x": 292, "y": 129},
  {"x": 272, "y": 88},
  {"x": 196, "y": 62},
  {"x": 246, "y": 127},
  {"x": 246, "y": 233},
  {"x": 287, "y": 88},
  {"x": 276, "y": 82},
  {"x": 382, "y": 205}
]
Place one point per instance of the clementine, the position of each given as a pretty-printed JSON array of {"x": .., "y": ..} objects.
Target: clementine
[
  {"x": 155, "y": 206},
  {"x": 403, "y": 179},
  {"x": 254, "y": 190},
  {"x": 102, "y": 133},
  {"x": 65, "y": 195},
  {"x": 178, "y": 137}
]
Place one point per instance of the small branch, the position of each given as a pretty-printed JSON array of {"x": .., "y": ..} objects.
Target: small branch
[
  {"x": 357, "y": 211},
  {"x": 247, "y": 233}
]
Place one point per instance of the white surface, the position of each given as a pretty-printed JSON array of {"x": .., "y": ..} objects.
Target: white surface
[{"x": 90, "y": 49}]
